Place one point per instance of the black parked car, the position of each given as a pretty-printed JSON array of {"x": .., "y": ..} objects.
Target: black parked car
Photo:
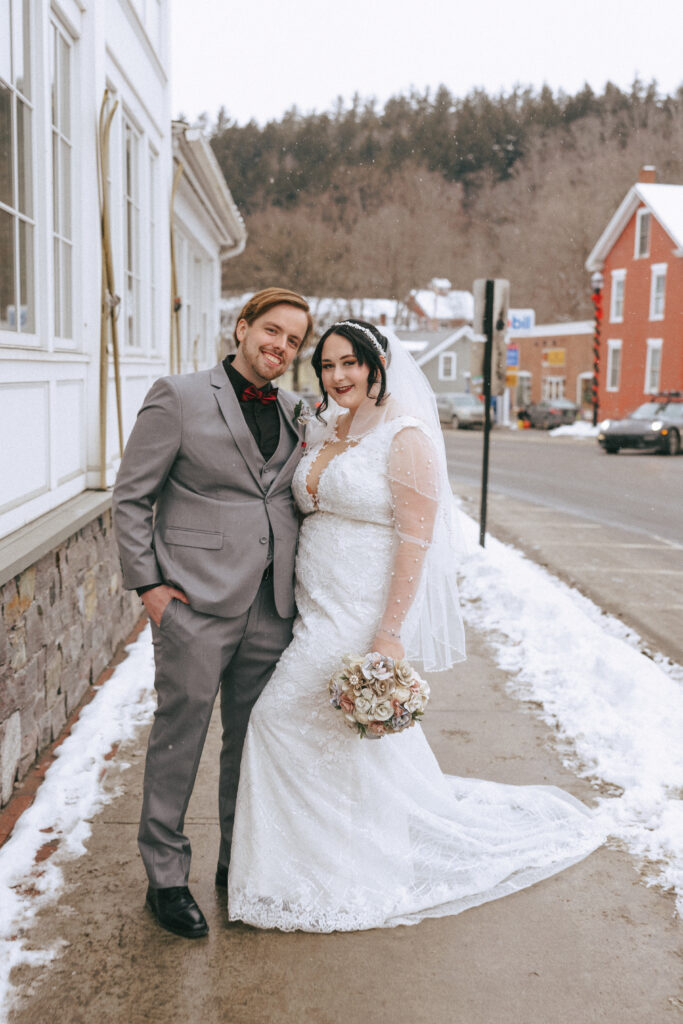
[
  {"x": 656, "y": 425},
  {"x": 547, "y": 414}
]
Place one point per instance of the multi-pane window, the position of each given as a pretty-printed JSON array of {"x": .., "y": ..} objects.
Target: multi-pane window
[
  {"x": 60, "y": 78},
  {"x": 657, "y": 291},
  {"x": 552, "y": 388},
  {"x": 131, "y": 232},
  {"x": 653, "y": 365},
  {"x": 616, "y": 313},
  {"x": 17, "y": 225},
  {"x": 447, "y": 366},
  {"x": 613, "y": 364},
  {"x": 642, "y": 234}
]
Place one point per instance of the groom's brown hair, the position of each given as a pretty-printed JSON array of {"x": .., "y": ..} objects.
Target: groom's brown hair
[{"x": 264, "y": 300}]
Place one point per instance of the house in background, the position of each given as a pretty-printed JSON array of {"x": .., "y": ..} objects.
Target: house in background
[
  {"x": 443, "y": 355},
  {"x": 62, "y": 608},
  {"x": 551, "y": 361},
  {"x": 640, "y": 255},
  {"x": 439, "y": 306}
]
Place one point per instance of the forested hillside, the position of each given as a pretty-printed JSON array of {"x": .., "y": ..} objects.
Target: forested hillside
[{"x": 373, "y": 202}]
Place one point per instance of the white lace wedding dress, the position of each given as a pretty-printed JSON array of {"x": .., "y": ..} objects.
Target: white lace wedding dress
[{"x": 335, "y": 832}]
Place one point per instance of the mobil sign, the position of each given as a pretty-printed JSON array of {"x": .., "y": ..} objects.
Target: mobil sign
[{"x": 521, "y": 319}]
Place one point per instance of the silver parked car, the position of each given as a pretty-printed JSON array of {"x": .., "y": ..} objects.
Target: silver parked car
[{"x": 459, "y": 409}]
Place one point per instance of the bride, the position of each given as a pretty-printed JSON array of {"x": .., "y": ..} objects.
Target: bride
[{"x": 332, "y": 831}]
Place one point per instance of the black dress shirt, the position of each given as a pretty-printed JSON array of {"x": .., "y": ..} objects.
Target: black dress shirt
[{"x": 262, "y": 419}]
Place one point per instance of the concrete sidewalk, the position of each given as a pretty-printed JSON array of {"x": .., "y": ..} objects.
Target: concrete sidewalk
[{"x": 593, "y": 944}]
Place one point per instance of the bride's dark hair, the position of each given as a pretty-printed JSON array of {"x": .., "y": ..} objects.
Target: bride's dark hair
[{"x": 365, "y": 351}]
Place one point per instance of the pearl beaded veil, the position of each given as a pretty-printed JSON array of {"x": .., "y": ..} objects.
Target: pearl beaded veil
[{"x": 422, "y": 606}]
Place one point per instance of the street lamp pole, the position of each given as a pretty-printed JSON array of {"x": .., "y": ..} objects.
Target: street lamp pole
[{"x": 597, "y": 282}]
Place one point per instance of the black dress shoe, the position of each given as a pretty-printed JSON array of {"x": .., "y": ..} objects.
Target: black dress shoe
[
  {"x": 177, "y": 911},
  {"x": 221, "y": 877}
]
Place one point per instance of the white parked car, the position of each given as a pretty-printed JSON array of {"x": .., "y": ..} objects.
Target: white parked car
[{"x": 458, "y": 409}]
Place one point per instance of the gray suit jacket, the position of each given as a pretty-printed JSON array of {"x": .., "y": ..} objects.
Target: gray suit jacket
[{"x": 192, "y": 460}]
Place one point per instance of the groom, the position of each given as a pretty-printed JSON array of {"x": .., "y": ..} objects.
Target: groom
[{"x": 207, "y": 531}]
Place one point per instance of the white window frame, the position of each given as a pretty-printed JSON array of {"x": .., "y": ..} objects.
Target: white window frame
[
  {"x": 131, "y": 284},
  {"x": 15, "y": 335},
  {"x": 63, "y": 170},
  {"x": 614, "y": 347},
  {"x": 448, "y": 366},
  {"x": 616, "y": 308},
  {"x": 653, "y": 363},
  {"x": 657, "y": 301},
  {"x": 552, "y": 388},
  {"x": 642, "y": 215},
  {"x": 523, "y": 388},
  {"x": 153, "y": 254}
]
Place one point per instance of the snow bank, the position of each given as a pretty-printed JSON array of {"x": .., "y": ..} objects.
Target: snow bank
[
  {"x": 581, "y": 428},
  {"x": 72, "y": 792},
  {"x": 619, "y": 711}
]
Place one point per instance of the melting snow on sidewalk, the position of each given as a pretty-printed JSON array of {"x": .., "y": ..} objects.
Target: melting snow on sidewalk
[
  {"x": 72, "y": 792},
  {"x": 619, "y": 712}
]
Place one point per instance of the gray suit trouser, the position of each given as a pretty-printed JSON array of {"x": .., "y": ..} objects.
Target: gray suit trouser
[{"x": 195, "y": 654}]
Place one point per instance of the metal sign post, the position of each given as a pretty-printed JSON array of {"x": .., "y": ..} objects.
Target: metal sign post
[{"x": 491, "y": 301}]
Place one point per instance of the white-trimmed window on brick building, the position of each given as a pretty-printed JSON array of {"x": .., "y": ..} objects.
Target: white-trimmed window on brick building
[
  {"x": 642, "y": 248},
  {"x": 448, "y": 366},
  {"x": 62, "y": 235},
  {"x": 616, "y": 309},
  {"x": 17, "y": 224},
  {"x": 657, "y": 291},
  {"x": 653, "y": 365},
  {"x": 131, "y": 233},
  {"x": 613, "y": 364},
  {"x": 552, "y": 388}
]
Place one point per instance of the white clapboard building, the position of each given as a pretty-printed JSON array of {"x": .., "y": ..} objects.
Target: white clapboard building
[{"x": 88, "y": 320}]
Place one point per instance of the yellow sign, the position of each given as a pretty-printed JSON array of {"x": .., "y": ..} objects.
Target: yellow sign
[
  {"x": 553, "y": 356},
  {"x": 511, "y": 379}
]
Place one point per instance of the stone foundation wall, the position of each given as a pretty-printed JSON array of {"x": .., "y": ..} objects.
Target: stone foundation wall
[{"x": 61, "y": 621}]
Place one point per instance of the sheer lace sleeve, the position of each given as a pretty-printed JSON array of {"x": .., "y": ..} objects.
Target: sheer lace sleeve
[{"x": 414, "y": 483}]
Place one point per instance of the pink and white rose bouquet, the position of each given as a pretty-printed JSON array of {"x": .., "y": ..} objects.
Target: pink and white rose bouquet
[{"x": 377, "y": 695}]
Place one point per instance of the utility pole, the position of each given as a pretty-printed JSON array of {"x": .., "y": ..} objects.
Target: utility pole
[{"x": 491, "y": 302}]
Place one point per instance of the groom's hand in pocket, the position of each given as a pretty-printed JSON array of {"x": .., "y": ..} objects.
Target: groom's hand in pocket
[{"x": 156, "y": 599}]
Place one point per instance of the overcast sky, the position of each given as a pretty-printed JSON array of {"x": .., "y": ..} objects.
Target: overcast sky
[{"x": 259, "y": 57}]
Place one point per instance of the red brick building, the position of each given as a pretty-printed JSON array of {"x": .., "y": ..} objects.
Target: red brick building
[
  {"x": 640, "y": 255},
  {"x": 552, "y": 361}
]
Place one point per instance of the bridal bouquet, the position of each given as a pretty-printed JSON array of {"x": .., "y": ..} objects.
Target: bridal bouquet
[{"x": 378, "y": 695}]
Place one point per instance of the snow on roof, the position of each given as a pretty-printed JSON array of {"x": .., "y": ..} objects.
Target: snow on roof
[
  {"x": 453, "y": 306},
  {"x": 326, "y": 309},
  {"x": 665, "y": 203}
]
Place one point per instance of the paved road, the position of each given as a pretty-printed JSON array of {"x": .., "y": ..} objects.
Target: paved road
[
  {"x": 638, "y": 491},
  {"x": 609, "y": 526}
]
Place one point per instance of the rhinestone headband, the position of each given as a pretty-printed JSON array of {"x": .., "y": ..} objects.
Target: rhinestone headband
[{"x": 368, "y": 334}]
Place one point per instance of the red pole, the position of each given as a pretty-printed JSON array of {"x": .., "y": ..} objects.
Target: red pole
[{"x": 597, "y": 312}]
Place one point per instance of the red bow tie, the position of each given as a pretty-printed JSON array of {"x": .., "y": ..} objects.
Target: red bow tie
[{"x": 254, "y": 394}]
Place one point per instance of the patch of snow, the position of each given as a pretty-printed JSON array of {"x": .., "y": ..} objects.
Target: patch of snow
[
  {"x": 618, "y": 711},
  {"x": 72, "y": 792},
  {"x": 582, "y": 428}
]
